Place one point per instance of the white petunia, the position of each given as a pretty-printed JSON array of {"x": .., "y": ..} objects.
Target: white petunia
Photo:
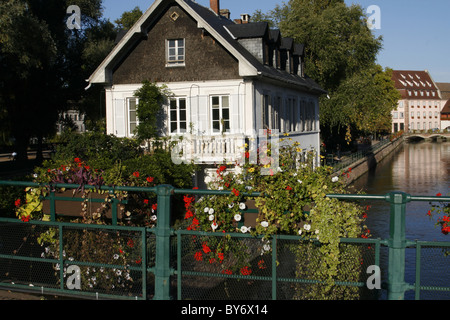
[
  {"x": 307, "y": 227},
  {"x": 206, "y": 210},
  {"x": 264, "y": 224},
  {"x": 242, "y": 206},
  {"x": 244, "y": 229},
  {"x": 334, "y": 179},
  {"x": 231, "y": 205},
  {"x": 211, "y": 211},
  {"x": 214, "y": 226},
  {"x": 266, "y": 247},
  {"x": 300, "y": 232},
  {"x": 237, "y": 217},
  {"x": 211, "y": 217},
  {"x": 153, "y": 217}
]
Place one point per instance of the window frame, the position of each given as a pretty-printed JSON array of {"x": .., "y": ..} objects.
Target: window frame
[
  {"x": 178, "y": 110},
  {"x": 221, "y": 109},
  {"x": 128, "y": 115},
  {"x": 177, "y": 62}
]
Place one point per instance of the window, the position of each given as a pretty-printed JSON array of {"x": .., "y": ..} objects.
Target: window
[
  {"x": 175, "y": 52},
  {"x": 178, "y": 115},
  {"x": 133, "y": 120},
  {"x": 220, "y": 114}
]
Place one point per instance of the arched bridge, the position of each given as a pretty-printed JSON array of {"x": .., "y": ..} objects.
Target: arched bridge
[{"x": 427, "y": 136}]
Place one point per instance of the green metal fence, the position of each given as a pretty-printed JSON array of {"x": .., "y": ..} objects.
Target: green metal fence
[{"x": 122, "y": 262}]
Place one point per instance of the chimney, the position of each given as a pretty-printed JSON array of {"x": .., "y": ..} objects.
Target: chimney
[
  {"x": 215, "y": 6},
  {"x": 245, "y": 18},
  {"x": 225, "y": 13}
]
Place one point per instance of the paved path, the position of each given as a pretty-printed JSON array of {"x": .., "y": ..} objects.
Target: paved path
[{"x": 9, "y": 295}]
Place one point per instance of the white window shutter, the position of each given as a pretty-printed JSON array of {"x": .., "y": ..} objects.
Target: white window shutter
[{"x": 119, "y": 118}]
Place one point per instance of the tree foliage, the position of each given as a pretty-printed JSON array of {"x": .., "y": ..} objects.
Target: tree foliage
[
  {"x": 45, "y": 64},
  {"x": 128, "y": 19},
  {"x": 151, "y": 98},
  {"x": 340, "y": 55}
]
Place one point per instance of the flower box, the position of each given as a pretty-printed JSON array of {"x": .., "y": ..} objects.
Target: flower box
[{"x": 72, "y": 204}]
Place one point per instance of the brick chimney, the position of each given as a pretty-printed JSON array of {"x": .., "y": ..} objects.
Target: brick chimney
[{"x": 215, "y": 6}]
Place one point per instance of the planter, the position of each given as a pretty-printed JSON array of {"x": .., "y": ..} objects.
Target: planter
[
  {"x": 250, "y": 214},
  {"x": 71, "y": 204}
]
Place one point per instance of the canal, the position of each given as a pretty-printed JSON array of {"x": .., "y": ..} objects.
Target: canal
[{"x": 420, "y": 169}]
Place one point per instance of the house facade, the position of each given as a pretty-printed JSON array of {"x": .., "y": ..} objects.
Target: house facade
[
  {"x": 444, "y": 87},
  {"x": 228, "y": 80},
  {"x": 420, "y": 105}
]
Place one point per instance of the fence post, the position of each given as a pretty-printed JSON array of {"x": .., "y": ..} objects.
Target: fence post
[
  {"x": 162, "y": 265},
  {"x": 397, "y": 245}
]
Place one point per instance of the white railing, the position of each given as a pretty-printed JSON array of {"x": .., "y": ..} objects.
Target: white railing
[
  {"x": 208, "y": 149},
  {"x": 202, "y": 149}
]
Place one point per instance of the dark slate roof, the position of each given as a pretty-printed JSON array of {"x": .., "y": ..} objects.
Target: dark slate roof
[
  {"x": 220, "y": 24},
  {"x": 249, "y": 30},
  {"x": 275, "y": 35},
  {"x": 287, "y": 43},
  {"x": 299, "y": 49}
]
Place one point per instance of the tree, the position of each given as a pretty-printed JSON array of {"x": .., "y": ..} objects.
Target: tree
[
  {"x": 44, "y": 64},
  {"x": 151, "y": 98},
  {"x": 340, "y": 55},
  {"x": 128, "y": 19},
  {"x": 27, "y": 50}
]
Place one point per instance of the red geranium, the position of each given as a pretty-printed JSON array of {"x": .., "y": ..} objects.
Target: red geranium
[{"x": 246, "y": 271}]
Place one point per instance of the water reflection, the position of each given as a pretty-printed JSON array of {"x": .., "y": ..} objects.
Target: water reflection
[
  {"x": 420, "y": 169},
  {"x": 415, "y": 168}
]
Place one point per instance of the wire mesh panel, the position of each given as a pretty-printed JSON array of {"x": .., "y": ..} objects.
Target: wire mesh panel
[
  {"x": 433, "y": 258},
  {"x": 301, "y": 265},
  {"x": 216, "y": 267},
  {"x": 23, "y": 260},
  {"x": 109, "y": 261},
  {"x": 284, "y": 268},
  {"x": 79, "y": 260}
]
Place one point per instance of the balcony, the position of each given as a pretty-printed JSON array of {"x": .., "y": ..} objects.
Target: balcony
[{"x": 207, "y": 149}]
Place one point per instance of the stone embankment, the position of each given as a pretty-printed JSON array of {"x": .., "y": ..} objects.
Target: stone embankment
[{"x": 363, "y": 165}]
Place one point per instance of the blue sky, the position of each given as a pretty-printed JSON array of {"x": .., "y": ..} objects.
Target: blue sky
[{"x": 415, "y": 32}]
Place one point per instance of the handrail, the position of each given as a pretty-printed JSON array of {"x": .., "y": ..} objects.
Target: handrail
[{"x": 397, "y": 242}]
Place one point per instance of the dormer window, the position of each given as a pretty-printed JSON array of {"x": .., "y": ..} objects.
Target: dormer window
[{"x": 175, "y": 52}]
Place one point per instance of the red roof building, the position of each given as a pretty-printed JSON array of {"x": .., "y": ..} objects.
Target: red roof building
[{"x": 421, "y": 103}]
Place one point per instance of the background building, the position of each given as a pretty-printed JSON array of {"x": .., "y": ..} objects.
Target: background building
[
  {"x": 421, "y": 102},
  {"x": 445, "y": 112}
]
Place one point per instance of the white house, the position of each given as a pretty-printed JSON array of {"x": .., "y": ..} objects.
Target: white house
[{"x": 229, "y": 80}]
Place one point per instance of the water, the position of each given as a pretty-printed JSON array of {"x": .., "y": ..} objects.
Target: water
[{"x": 420, "y": 169}]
